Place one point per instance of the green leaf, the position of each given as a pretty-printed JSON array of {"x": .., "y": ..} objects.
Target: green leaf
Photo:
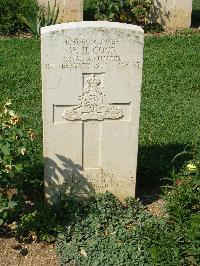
[
  {"x": 18, "y": 167},
  {"x": 12, "y": 204},
  {"x": 5, "y": 150}
]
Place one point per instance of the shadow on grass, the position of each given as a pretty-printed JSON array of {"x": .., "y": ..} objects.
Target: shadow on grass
[{"x": 155, "y": 166}]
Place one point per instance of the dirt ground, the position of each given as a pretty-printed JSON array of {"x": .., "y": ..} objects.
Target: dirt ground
[{"x": 13, "y": 253}]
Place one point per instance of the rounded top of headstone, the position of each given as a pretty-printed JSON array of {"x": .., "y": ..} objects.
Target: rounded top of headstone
[{"x": 91, "y": 24}]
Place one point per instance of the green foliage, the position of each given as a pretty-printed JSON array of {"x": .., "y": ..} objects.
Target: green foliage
[
  {"x": 14, "y": 149},
  {"x": 183, "y": 201},
  {"x": 6, "y": 206},
  {"x": 153, "y": 28},
  {"x": 13, "y": 146},
  {"x": 89, "y": 9},
  {"x": 23, "y": 15},
  {"x": 41, "y": 224},
  {"x": 127, "y": 11},
  {"x": 172, "y": 244},
  {"x": 44, "y": 222},
  {"x": 9, "y": 10},
  {"x": 10, "y": 205},
  {"x": 195, "y": 13},
  {"x": 183, "y": 208},
  {"x": 45, "y": 17},
  {"x": 20, "y": 81},
  {"x": 106, "y": 232}
]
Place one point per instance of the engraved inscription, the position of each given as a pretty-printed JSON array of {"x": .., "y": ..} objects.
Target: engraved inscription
[
  {"x": 93, "y": 53},
  {"x": 85, "y": 54},
  {"x": 105, "y": 180},
  {"x": 97, "y": 61},
  {"x": 84, "y": 184},
  {"x": 92, "y": 103}
]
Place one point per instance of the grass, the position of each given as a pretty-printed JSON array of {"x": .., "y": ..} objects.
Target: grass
[
  {"x": 21, "y": 82},
  {"x": 170, "y": 99},
  {"x": 170, "y": 103},
  {"x": 195, "y": 4}
]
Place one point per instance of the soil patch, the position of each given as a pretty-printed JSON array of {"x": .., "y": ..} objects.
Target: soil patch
[{"x": 14, "y": 253}]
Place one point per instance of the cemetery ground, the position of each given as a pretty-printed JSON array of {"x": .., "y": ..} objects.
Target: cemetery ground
[{"x": 169, "y": 124}]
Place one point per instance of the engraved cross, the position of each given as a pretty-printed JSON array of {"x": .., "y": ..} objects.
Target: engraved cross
[{"x": 92, "y": 109}]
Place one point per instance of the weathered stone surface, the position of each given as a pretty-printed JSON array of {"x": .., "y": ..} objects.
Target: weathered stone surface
[
  {"x": 70, "y": 10},
  {"x": 92, "y": 74},
  {"x": 172, "y": 13}
]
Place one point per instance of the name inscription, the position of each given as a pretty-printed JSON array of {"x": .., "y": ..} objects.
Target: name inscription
[{"x": 84, "y": 53}]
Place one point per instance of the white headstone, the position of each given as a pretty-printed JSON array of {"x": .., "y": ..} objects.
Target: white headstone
[
  {"x": 172, "y": 13},
  {"x": 92, "y": 74}
]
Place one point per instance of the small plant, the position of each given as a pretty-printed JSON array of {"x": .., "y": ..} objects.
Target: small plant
[
  {"x": 6, "y": 206},
  {"x": 184, "y": 199},
  {"x": 183, "y": 207},
  {"x": 9, "y": 21},
  {"x": 44, "y": 17},
  {"x": 42, "y": 224},
  {"x": 10, "y": 203},
  {"x": 14, "y": 149}
]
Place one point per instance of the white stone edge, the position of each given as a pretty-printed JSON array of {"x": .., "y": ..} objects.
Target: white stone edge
[{"x": 90, "y": 24}]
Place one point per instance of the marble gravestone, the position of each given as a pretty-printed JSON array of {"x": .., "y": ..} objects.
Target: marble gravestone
[
  {"x": 91, "y": 75},
  {"x": 70, "y": 10},
  {"x": 175, "y": 14}
]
